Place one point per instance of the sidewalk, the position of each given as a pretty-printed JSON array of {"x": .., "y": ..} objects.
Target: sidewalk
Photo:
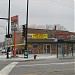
[{"x": 30, "y": 57}]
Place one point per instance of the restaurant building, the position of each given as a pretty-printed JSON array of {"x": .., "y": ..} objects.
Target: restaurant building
[{"x": 43, "y": 41}]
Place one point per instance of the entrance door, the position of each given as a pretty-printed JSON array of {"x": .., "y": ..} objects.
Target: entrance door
[
  {"x": 46, "y": 48},
  {"x": 60, "y": 50}
]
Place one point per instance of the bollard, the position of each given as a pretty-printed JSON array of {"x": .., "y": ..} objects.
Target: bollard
[{"x": 35, "y": 56}]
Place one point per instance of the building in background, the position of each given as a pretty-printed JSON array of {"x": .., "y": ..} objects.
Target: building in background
[{"x": 43, "y": 41}]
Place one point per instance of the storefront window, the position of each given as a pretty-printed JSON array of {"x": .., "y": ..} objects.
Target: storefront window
[{"x": 34, "y": 45}]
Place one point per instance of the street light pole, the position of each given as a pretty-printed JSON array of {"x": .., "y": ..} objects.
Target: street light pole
[
  {"x": 9, "y": 18},
  {"x": 8, "y": 27},
  {"x": 8, "y": 24}
]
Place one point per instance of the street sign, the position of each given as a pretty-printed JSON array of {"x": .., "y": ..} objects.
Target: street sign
[
  {"x": 14, "y": 23},
  {"x": 8, "y": 41},
  {"x": 13, "y": 27}
]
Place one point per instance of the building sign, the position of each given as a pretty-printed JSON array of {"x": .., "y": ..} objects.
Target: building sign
[
  {"x": 64, "y": 35},
  {"x": 39, "y": 36},
  {"x": 14, "y": 23},
  {"x": 29, "y": 36}
]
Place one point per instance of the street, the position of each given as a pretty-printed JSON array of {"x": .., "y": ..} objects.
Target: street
[
  {"x": 38, "y": 67},
  {"x": 37, "y": 37}
]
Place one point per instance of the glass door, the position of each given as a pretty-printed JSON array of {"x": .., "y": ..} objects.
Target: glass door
[{"x": 46, "y": 48}]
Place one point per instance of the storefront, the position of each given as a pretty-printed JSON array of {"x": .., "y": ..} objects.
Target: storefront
[
  {"x": 46, "y": 48},
  {"x": 66, "y": 48},
  {"x": 43, "y": 41}
]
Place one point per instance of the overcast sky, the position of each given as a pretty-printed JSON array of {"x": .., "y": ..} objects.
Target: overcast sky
[{"x": 41, "y": 12}]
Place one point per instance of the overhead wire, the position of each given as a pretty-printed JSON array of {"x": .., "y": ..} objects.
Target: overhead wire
[{"x": 56, "y": 1}]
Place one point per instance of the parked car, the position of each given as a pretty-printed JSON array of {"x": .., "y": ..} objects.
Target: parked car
[{"x": 3, "y": 51}]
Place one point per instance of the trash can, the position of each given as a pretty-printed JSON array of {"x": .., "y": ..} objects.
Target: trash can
[
  {"x": 25, "y": 54},
  {"x": 35, "y": 56}
]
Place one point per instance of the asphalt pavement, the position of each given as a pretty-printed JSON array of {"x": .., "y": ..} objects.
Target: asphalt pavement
[
  {"x": 45, "y": 67},
  {"x": 44, "y": 64}
]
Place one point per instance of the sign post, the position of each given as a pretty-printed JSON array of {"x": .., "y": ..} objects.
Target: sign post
[{"x": 14, "y": 24}]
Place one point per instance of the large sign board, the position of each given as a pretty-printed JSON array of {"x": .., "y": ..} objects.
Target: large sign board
[
  {"x": 14, "y": 23},
  {"x": 39, "y": 36},
  {"x": 61, "y": 34}
]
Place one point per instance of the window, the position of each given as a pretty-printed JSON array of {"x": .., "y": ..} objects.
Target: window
[{"x": 34, "y": 45}]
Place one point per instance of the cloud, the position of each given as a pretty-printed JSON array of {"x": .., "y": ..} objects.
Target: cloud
[{"x": 41, "y": 12}]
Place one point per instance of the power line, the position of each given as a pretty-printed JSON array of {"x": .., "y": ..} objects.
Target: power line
[{"x": 62, "y": 4}]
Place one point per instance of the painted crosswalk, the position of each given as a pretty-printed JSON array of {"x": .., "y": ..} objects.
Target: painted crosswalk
[{"x": 6, "y": 70}]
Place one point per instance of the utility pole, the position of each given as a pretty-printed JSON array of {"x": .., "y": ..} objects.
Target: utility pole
[
  {"x": 26, "y": 42},
  {"x": 8, "y": 25},
  {"x": 26, "y": 25}
]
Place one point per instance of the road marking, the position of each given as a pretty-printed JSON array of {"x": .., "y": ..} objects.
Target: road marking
[
  {"x": 6, "y": 70},
  {"x": 70, "y": 69},
  {"x": 29, "y": 74},
  {"x": 50, "y": 71},
  {"x": 46, "y": 64}
]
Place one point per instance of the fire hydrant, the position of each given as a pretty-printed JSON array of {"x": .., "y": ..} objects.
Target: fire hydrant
[{"x": 35, "y": 56}]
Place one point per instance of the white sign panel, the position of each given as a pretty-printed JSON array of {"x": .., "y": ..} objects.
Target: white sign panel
[{"x": 14, "y": 23}]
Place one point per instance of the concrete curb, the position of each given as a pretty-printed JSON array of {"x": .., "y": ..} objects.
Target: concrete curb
[
  {"x": 31, "y": 58},
  {"x": 17, "y": 59}
]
